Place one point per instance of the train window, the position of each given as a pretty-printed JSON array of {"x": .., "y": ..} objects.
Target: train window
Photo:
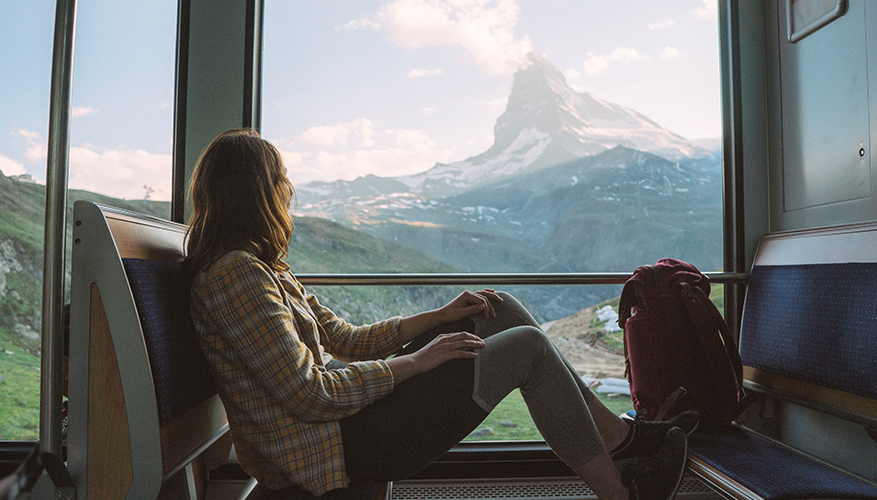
[
  {"x": 121, "y": 135},
  {"x": 507, "y": 136},
  {"x": 26, "y": 59},
  {"x": 123, "y": 95}
]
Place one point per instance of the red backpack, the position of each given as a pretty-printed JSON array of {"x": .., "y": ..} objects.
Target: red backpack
[{"x": 679, "y": 352}]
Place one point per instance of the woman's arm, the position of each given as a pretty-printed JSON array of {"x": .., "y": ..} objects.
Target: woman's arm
[
  {"x": 465, "y": 304},
  {"x": 346, "y": 341},
  {"x": 254, "y": 341},
  {"x": 444, "y": 347}
]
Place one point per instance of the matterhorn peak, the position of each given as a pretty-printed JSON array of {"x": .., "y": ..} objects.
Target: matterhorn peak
[
  {"x": 546, "y": 123},
  {"x": 580, "y": 124}
]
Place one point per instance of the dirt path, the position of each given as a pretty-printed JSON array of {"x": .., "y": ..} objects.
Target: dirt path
[{"x": 571, "y": 336}]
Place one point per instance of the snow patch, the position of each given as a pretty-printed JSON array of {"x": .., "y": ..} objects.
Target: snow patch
[{"x": 606, "y": 313}]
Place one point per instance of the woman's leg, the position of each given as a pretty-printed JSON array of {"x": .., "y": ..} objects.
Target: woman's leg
[
  {"x": 396, "y": 437},
  {"x": 422, "y": 418},
  {"x": 510, "y": 313},
  {"x": 517, "y": 357},
  {"x": 621, "y": 438},
  {"x": 524, "y": 357}
]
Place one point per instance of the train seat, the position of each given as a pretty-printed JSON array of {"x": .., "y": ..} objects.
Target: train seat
[
  {"x": 809, "y": 348},
  {"x": 146, "y": 420}
]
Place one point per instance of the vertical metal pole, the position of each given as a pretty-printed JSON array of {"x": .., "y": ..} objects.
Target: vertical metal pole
[
  {"x": 252, "y": 116},
  {"x": 54, "y": 240},
  {"x": 732, "y": 158},
  {"x": 181, "y": 108}
]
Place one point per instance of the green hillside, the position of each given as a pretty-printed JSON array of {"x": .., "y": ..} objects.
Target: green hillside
[
  {"x": 320, "y": 246},
  {"x": 22, "y": 211}
]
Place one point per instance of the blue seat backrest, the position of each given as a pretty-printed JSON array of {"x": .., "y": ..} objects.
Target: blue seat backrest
[
  {"x": 180, "y": 372},
  {"x": 814, "y": 322}
]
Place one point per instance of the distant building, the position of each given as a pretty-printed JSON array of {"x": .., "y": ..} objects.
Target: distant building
[{"x": 23, "y": 178}]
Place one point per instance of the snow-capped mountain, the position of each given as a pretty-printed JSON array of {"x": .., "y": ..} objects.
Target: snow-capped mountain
[
  {"x": 545, "y": 123},
  {"x": 571, "y": 184}
]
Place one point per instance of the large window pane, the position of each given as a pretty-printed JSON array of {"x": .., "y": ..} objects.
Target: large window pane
[
  {"x": 568, "y": 136},
  {"x": 506, "y": 136},
  {"x": 25, "y": 56},
  {"x": 123, "y": 93},
  {"x": 121, "y": 134}
]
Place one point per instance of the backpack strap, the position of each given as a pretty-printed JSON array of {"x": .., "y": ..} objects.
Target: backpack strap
[
  {"x": 696, "y": 295},
  {"x": 672, "y": 399},
  {"x": 730, "y": 343}
]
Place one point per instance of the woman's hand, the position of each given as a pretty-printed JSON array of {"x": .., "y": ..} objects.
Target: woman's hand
[
  {"x": 443, "y": 348},
  {"x": 446, "y": 347},
  {"x": 470, "y": 303},
  {"x": 465, "y": 304}
]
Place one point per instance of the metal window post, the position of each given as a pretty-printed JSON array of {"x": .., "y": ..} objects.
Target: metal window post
[{"x": 54, "y": 241}]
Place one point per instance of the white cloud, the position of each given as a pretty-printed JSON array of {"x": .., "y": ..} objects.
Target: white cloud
[
  {"x": 669, "y": 53},
  {"x": 709, "y": 11},
  {"x": 27, "y": 134},
  {"x": 482, "y": 28},
  {"x": 414, "y": 139},
  {"x": 121, "y": 173},
  {"x": 626, "y": 55},
  {"x": 599, "y": 63},
  {"x": 372, "y": 149},
  {"x": 596, "y": 64},
  {"x": 661, "y": 26},
  {"x": 416, "y": 73},
  {"x": 571, "y": 73},
  {"x": 356, "y": 24},
  {"x": 83, "y": 110},
  {"x": 427, "y": 110},
  {"x": 327, "y": 135},
  {"x": 9, "y": 167},
  {"x": 37, "y": 148},
  {"x": 338, "y": 134}
]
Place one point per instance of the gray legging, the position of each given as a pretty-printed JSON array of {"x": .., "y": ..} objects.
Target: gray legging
[{"x": 425, "y": 416}]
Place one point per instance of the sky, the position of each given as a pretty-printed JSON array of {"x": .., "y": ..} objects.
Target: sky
[{"x": 350, "y": 87}]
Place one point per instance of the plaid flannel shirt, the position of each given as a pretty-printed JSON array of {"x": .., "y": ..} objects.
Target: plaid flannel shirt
[{"x": 261, "y": 333}]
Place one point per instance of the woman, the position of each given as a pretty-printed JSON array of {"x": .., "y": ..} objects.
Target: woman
[{"x": 298, "y": 418}]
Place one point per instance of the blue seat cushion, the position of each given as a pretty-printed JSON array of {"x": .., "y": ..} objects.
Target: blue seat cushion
[
  {"x": 180, "y": 372},
  {"x": 772, "y": 471},
  {"x": 816, "y": 323}
]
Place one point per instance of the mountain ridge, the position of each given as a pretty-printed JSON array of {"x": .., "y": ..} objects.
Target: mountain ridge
[{"x": 545, "y": 123}]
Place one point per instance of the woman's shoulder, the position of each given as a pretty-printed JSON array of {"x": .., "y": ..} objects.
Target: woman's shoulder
[{"x": 236, "y": 264}]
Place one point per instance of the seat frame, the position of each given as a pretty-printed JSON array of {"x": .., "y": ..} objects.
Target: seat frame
[{"x": 116, "y": 446}]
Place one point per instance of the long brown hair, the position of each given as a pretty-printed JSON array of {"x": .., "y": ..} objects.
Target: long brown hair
[{"x": 240, "y": 201}]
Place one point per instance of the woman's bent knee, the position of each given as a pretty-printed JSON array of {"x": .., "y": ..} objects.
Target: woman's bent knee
[
  {"x": 509, "y": 314},
  {"x": 531, "y": 337},
  {"x": 519, "y": 349},
  {"x": 510, "y": 359}
]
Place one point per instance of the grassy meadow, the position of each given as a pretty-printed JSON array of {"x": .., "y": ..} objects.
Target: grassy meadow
[{"x": 510, "y": 420}]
